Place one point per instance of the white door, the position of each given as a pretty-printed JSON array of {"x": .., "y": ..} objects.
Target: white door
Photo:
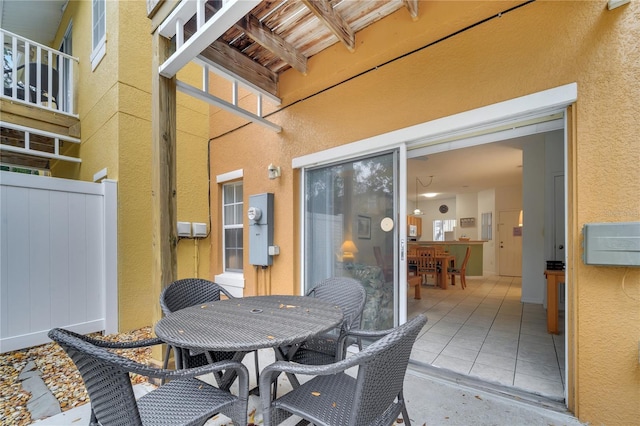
[{"x": 510, "y": 238}]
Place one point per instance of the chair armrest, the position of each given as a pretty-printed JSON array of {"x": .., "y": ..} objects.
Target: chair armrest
[
  {"x": 117, "y": 345},
  {"x": 271, "y": 371},
  {"x": 131, "y": 366},
  {"x": 358, "y": 335}
]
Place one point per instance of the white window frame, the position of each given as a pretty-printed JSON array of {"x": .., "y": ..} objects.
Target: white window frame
[
  {"x": 100, "y": 45},
  {"x": 447, "y": 225},
  {"x": 232, "y": 281}
]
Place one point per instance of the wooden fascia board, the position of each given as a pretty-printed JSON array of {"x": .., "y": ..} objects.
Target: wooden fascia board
[
  {"x": 323, "y": 11},
  {"x": 412, "y": 6},
  {"x": 253, "y": 28},
  {"x": 218, "y": 24},
  {"x": 236, "y": 63},
  {"x": 38, "y": 118}
]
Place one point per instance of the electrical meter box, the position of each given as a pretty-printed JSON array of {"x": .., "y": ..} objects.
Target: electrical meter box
[
  {"x": 612, "y": 244},
  {"x": 260, "y": 214}
]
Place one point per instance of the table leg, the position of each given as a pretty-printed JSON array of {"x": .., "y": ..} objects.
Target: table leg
[
  {"x": 552, "y": 304},
  {"x": 442, "y": 276}
]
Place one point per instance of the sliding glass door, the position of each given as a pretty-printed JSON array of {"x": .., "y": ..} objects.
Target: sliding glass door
[{"x": 351, "y": 230}]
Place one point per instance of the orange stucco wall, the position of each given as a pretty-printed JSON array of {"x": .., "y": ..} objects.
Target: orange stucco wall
[{"x": 536, "y": 47}]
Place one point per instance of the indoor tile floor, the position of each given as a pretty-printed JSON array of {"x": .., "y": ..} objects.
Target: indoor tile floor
[{"x": 485, "y": 332}]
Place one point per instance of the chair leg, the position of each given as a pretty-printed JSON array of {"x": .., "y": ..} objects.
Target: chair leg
[
  {"x": 94, "y": 420},
  {"x": 463, "y": 281},
  {"x": 165, "y": 363},
  {"x": 405, "y": 414}
]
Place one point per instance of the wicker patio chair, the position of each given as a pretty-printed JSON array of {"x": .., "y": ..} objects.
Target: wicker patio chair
[
  {"x": 182, "y": 294},
  {"x": 333, "y": 397},
  {"x": 190, "y": 292},
  {"x": 184, "y": 400},
  {"x": 350, "y": 296}
]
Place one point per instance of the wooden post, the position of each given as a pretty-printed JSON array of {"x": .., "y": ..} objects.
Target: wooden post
[{"x": 163, "y": 176}]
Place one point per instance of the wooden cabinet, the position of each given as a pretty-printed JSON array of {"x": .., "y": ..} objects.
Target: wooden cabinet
[{"x": 417, "y": 222}]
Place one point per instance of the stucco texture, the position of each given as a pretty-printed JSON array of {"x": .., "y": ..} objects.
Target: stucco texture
[
  {"x": 114, "y": 105},
  {"x": 536, "y": 47}
]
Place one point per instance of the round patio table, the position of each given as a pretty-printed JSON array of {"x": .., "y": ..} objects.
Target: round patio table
[{"x": 248, "y": 323}]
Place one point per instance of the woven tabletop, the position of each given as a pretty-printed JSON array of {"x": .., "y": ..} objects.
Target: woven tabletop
[{"x": 248, "y": 323}]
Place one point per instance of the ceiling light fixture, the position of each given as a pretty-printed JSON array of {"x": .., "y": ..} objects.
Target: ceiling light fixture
[{"x": 417, "y": 211}]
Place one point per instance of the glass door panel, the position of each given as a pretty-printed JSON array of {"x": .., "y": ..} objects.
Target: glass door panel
[{"x": 350, "y": 226}]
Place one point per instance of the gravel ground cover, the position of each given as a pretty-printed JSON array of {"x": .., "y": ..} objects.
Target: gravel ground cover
[{"x": 59, "y": 374}]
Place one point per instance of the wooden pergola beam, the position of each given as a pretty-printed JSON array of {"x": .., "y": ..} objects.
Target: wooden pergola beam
[
  {"x": 237, "y": 63},
  {"x": 266, "y": 38},
  {"x": 338, "y": 26},
  {"x": 163, "y": 174}
]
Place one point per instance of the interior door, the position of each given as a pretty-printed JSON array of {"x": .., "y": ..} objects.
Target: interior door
[
  {"x": 510, "y": 237},
  {"x": 351, "y": 230}
]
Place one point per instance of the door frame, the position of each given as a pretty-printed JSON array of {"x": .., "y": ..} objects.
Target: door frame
[
  {"x": 538, "y": 112},
  {"x": 400, "y": 221}
]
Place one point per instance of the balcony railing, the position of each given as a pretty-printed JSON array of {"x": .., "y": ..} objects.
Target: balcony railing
[{"x": 38, "y": 75}]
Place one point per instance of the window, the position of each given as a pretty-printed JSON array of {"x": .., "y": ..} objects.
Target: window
[
  {"x": 65, "y": 64},
  {"x": 487, "y": 226},
  {"x": 232, "y": 208},
  {"x": 99, "y": 33},
  {"x": 442, "y": 226}
]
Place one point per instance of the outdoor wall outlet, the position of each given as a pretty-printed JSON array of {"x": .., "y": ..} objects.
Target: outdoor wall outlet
[
  {"x": 184, "y": 229},
  {"x": 199, "y": 230},
  {"x": 274, "y": 250}
]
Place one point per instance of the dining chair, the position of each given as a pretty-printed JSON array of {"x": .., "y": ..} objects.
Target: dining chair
[
  {"x": 426, "y": 263},
  {"x": 462, "y": 271},
  {"x": 183, "y": 400},
  {"x": 334, "y": 398},
  {"x": 182, "y": 294}
]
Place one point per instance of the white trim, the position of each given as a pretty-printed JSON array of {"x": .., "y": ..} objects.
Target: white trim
[
  {"x": 100, "y": 176},
  {"x": 229, "y": 176},
  {"x": 39, "y": 132},
  {"x": 224, "y": 105},
  {"x": 98, "y": 53},
  {"x": 110, "y": 273},
  {"x": 98, "y": 47},
  {"x": 215, "y": 68},
  {"x": 497, "y": 136},
  {"x": 230, "y": 13},
  {"x": 536, "y": 105},
  {"x": 400, "y": 309}
]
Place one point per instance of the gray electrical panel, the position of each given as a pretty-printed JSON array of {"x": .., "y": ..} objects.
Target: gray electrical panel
[
  {"x": 613, "y": 244},
  {"x": 260, "y": 214}
]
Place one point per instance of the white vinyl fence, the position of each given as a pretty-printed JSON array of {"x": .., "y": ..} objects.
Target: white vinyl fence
[{"x": 58, "y": 258}]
